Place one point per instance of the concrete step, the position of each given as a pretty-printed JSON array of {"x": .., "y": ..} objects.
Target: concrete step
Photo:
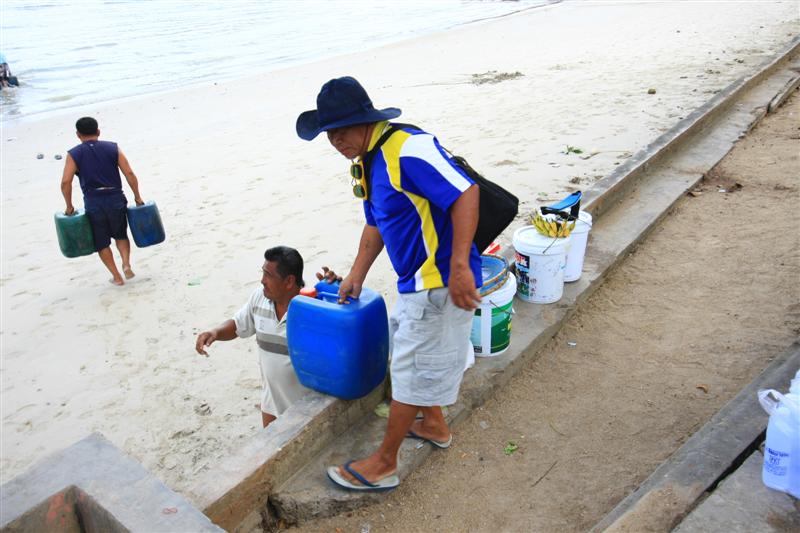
[
  {"x": 626, "y": 206},
  {"x": 742, "y": 503},
  {"x": 94, "y": 486}
]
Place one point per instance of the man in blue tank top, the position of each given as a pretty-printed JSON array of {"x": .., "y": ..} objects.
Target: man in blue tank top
[
  {"x": 423, "y": 209},
  {"x": 97, "y": 164}
]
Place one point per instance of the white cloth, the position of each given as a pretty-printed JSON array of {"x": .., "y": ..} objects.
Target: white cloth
[
  {"x": 430, "y": 347},
  {"x": 280, "y": 387}
]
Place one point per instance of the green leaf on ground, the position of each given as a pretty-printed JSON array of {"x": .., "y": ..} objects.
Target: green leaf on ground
[
  {"x": 510, "y": 448},
  {"x": 572, "y": 150}
]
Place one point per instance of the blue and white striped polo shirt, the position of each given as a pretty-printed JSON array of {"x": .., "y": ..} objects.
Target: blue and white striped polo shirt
[{"x": 413, "y": 184}]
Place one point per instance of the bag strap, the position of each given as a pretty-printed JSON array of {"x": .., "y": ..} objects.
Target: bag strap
[{"x": 369, "y": 156}]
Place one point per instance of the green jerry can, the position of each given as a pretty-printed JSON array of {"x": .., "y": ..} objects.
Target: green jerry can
[{"x": 74, "y": 234}]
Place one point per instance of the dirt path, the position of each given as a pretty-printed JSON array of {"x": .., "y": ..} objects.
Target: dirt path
[{"x": 694, "y": 314}]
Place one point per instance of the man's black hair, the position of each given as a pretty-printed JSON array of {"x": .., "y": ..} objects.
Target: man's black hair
[
  {"x": 289, "y": 262},
  {"x": 86, "y": 126}
]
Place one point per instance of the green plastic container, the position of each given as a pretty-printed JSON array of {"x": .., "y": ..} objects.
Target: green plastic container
[{"x": 74, "y": 234}]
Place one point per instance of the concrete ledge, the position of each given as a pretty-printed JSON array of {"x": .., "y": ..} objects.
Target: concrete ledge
[
  {"x": 781, "y": 97},
  {"x": 93, "y": 486},
  {"x": 675, "y": 487},
  {"x": 235, "y": 490}
]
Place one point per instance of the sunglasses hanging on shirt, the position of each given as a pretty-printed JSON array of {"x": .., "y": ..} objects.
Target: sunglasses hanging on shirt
[{"x": 358, "y": 180}]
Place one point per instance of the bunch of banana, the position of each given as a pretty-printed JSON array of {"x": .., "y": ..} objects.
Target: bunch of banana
[{"x": 557, "y": 227}]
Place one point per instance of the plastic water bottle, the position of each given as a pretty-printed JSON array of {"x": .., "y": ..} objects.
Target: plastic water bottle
[{"x": 781, "y": 459}]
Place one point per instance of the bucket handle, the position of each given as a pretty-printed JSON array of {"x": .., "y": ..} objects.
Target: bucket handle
[{"x": 508, "y": 314}]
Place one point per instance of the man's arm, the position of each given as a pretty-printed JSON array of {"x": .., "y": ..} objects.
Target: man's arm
[
  {"x": 70, "y": 168},
  {"x": 126, "y": 169},
  {"x": 464, "y": 214},
  {"x": 368, "y": 250},
  {"x": 224, "y": 332}
]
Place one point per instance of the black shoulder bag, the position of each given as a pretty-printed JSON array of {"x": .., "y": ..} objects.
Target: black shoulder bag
[{"x": 497, "y": 207}]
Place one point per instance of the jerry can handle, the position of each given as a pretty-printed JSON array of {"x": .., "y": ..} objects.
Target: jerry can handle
[{"x": 329, "y": 292}]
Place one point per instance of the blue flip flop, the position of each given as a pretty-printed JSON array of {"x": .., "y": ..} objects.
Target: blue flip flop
[
  {"x": 388, "y": 483},
  {"x": 438, "y": 443}
]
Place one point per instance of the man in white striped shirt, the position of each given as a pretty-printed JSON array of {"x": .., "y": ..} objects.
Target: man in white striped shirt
[{"x": 264, "y": 315}]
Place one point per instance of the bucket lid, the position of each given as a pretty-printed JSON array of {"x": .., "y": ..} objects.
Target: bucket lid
[
  {"x": 528, "y": 239},
  {"x": 494, "y": 270}
]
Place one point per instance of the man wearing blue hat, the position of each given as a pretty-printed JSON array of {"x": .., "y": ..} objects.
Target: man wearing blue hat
[{"x": 424, "y": 210}]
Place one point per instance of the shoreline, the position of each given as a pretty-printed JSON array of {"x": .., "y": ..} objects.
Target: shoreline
[
  {"x": 249, "y": 76},
  {"x": 127, "y": 367}
]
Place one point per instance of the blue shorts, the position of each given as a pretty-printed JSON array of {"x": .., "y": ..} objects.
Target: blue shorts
[{"x": 108, "y": 216}]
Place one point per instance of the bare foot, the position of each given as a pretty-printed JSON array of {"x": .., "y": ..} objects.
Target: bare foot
[
  {"x": 117, "y": 282},
  {"x": 437, "y": 434},
  {"x": 128, "y": 271}
]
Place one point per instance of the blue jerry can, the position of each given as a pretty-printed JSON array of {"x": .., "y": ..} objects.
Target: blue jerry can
[
  {"x": 338, "y": 349},
  {"x": 145, "y": 223}
]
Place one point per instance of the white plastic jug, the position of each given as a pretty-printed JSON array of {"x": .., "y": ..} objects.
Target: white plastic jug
[{"x": 781, "y": 467}]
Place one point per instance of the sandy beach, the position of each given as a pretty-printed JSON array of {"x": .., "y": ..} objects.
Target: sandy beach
[{"x": 231, "y": 178}]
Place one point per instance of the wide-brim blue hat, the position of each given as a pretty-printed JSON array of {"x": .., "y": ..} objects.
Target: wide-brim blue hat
[{"x": 341, "y": 102}]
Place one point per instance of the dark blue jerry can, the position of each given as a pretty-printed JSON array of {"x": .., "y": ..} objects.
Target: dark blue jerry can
[
  {"x": 145, "y": 223},
  {"x": 338, "y": 349}
]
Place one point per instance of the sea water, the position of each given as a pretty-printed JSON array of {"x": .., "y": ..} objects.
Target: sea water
[{"x": 68, "y": 53}]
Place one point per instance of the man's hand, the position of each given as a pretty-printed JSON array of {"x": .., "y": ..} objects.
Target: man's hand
[
  {"x": 70, "y": 210},
  {"x": 349, "y": 287},
  {"x": 462, "y": 288},
  {"x": 138, "y": 200},
  {"x": 203, "y": 340},
  {"x": 328, "y": 275}
]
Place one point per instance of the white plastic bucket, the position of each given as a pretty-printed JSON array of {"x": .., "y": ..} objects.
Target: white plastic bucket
[
  {"x": 578, "y": 238},
  {"x": 491, "y": 325},
  {"x": 540, "y": 263}
]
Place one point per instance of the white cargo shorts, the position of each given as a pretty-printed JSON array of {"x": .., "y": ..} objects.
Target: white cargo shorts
[{"x": 430, "y": 337}]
